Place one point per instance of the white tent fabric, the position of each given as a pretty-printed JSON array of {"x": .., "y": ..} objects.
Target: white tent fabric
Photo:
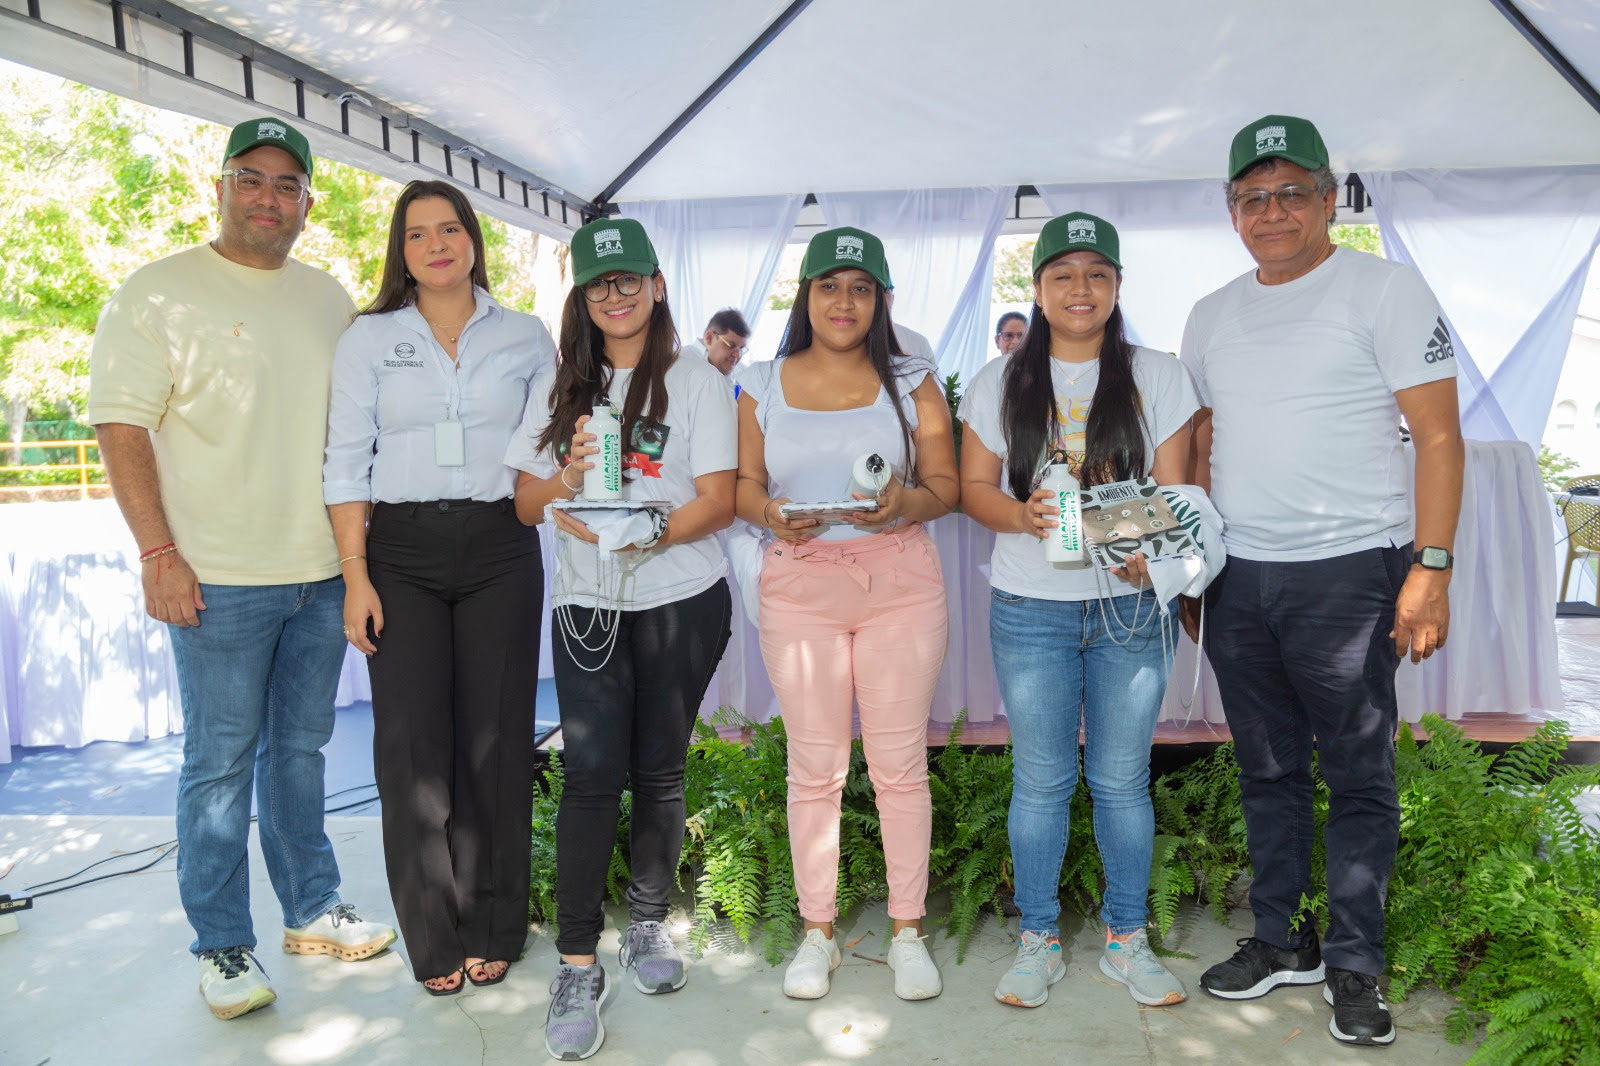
[
  {"x": 1177, "y": 246},
  {"x": 940, "y": 247},
  {"x": 717, "y": 253},
  {"x": 1506, "y": 252},
  {"x": 937, "y": 104}
]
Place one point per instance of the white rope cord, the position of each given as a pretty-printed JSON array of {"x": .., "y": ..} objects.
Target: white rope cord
[{"x": 609, "y": 619}]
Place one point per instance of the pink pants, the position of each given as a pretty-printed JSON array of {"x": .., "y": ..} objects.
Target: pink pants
[{"x": 856, "y": 622}]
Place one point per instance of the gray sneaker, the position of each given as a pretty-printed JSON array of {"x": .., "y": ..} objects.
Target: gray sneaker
[
  {"x": 657, "y": 966},
  {"x": 1132, "y": 962},
  {"x": 572, "y": 1029},
  {"x": 1038, "y": 966}
]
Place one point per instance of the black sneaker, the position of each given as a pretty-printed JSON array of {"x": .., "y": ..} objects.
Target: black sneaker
[
  {"x": 1360, "y": 1016},
  {"x": 1258, "y": 967}
]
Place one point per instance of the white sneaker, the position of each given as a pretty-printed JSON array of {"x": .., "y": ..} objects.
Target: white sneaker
[
  {"x": 807, "y": 975},
  {"x": 915, "y": 975},
  {"x": 341, "y": 933},
  {"x": 233, "y": 982}
]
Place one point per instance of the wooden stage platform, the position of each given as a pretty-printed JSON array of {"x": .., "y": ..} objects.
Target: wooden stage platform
[{"x": 1580, "y": 686}]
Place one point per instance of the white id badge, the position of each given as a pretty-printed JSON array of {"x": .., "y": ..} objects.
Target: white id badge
[{"x": 449, "y": 444}]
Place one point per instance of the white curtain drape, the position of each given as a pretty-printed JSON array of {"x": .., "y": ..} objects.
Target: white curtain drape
[
  {"x": 1177, "y": 246},
  {"x": 940, "y": 245},
  {"x": 717, "y": 253},
  {"x": 1506, "y": 252}
]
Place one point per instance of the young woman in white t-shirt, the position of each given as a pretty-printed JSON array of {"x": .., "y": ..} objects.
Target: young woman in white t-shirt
[
  {"x": 637, "y": 631},
  {"x": 852, "y": 613},
  {"x": 1074, "y": 643}
]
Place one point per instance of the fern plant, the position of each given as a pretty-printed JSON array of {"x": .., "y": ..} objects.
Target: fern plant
[{"x": 971, "y": 852}]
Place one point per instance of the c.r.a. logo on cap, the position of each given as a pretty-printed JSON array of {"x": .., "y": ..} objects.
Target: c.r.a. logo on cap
[
  {"x": 1082, "y": 231},
  {"x": 1272, "y": 139},
  {"x": 275, "y": 130},
  {"x": 849, "y": 247},
  {"x": 608, "y": 242}
]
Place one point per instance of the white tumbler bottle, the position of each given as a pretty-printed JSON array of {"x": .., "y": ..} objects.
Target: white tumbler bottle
[
  {"x": 1064, "y": 544},
  {"x": 869, "y": 475},
  {"x": 603, "y": 480}
]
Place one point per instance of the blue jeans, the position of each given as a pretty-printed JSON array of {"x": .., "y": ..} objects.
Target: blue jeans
[
  {"x": 257, "y": 678},
  {"x": 1056, "y": 659}
]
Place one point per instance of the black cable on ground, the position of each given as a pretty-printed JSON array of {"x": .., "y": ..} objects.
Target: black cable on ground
[{"x": 171, "y": 845}]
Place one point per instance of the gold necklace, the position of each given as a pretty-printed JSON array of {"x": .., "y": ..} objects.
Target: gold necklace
[{"x": 447, "y": 329}]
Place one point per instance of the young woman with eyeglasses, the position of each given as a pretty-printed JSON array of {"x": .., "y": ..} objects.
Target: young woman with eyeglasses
[
  {"x": 854, "y": 612},
  {"x": 1070, "y": 644},
  {"x": 638, "y": 631},
  {"x": 443, "y": 585}
]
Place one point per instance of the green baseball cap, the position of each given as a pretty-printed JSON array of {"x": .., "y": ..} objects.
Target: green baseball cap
[
  {"x": 609, "y": 244},
  {"x": 1076, "y": 232},
  {"x": 1277, "y": 137},
  {"x": 273, "y": 131},
  {"x": 836, "y": 249}
]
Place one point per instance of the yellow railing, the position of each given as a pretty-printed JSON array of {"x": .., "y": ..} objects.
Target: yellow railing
[{"x": 84, "y": 487}]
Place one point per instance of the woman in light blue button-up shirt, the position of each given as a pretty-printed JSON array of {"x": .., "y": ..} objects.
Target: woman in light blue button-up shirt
[{"x": 443, "y": 585}]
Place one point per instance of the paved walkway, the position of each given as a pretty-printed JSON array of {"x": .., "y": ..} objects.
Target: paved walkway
[{"x": 101, "y": 974}]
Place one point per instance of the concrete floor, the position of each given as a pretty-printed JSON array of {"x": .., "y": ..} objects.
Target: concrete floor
[{"x": 100, "y": 974}]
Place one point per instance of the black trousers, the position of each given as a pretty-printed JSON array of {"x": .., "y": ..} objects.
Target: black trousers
[
  {"x": 627, "y": 725},
  {"x": 453, "y": 689},
  {"x": 1302, "y": 655}
]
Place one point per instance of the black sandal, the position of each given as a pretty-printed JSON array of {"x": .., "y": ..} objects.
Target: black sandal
[
  {"x": 452, "y": 990},
  {"x": 487, "y": 981}
]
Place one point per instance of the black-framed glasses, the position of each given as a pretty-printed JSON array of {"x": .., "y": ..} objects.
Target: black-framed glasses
[
  {"x": 1290, "y": 198},
  {"x": 253, "y": 183},
  {"x": 729, "y": 345},
  {"x": 598, "y": 290}
]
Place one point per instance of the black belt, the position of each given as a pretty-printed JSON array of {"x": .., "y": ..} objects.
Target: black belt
[{"x": 445, "y": 506}]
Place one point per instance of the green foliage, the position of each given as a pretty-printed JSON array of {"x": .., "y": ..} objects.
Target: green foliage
[
  {"x": 1495, "y": 894},
  {"x": 971, "y": 853},
  {"x": 952, "y": 397},
  {"x": 1360, "y": 237},
  {"x": 1013, "y": 270},
  {"x": 542, "y": 874},
  {"x": 1555, "y": 468}
]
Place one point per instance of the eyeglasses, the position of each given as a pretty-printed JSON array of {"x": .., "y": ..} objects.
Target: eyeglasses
[
  {"x": 1008, "y": 335},
  {"x": 252, "y": 183},
  {"x": 598, "y": 290},
  {"x": 1290, "y": 198},
  {"x": 732, "y": 347}
]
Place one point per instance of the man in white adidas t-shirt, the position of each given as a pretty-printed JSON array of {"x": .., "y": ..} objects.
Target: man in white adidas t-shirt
[{"x": 1305, "y": 367}]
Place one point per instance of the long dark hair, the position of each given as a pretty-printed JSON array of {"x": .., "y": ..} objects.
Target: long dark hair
[
  {"x": 883, "y": 347},
  {"x": 1114, "y": 446},
  {"x": 397, "y": 289},
  {"x": 583, "y": 374}
]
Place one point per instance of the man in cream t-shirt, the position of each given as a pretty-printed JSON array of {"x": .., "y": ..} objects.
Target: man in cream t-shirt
[
  {"x": 1338, "y": 556},
  {"x": 209, "y": 391}
]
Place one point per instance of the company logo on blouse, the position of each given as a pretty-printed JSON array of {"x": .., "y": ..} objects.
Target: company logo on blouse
[
  {"x": 849, "y": 248},
  {"x": 1081, "y": 231},
  {"x": 1271, "y": 139},
  {"x": 275, "y": 130},
  {"x": 607, "y": 242},
  {"x": 405, "y": 354}
]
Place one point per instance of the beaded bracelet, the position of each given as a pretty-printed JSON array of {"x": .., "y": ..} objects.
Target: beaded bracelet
[{"x": 160, "y": 549}]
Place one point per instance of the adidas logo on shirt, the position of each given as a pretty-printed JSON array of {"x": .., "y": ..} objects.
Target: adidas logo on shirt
[{"x": 1439, "y": 346}]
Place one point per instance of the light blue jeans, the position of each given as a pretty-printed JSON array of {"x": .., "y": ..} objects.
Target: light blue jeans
[
  {"x": 257, "y": 678},
  {"x": 1057, "y": 659}
]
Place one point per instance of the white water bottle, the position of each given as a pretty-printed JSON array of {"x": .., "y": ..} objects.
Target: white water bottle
[
  {"x": 1064, "y": 544},
  {"x": 869, "y": 475},
  {"x": 603, "y": 480}
]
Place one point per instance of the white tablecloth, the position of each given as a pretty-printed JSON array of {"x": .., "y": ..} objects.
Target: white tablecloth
[{"x": 83, "y": 662}]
